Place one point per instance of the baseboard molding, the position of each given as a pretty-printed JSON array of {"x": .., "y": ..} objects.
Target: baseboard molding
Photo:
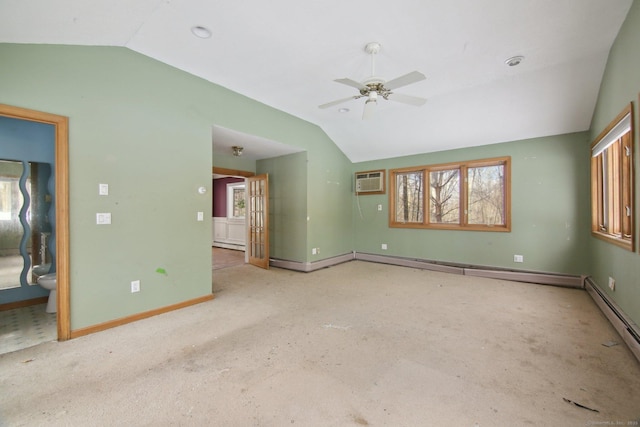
[
  {"x": 139, "y": 316},
  {"x": 307, "y": 267},
  {"x": 24, "y": 303},
  {"x": 628, "y": 330},
  {"x": 228, "y": 246}
]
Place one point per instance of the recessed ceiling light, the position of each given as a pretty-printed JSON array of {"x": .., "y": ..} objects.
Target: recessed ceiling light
[
  {"x": 201, "y": 32},
  {"x": 514, "y": 60},
  {"x": 343, "y": 110}
]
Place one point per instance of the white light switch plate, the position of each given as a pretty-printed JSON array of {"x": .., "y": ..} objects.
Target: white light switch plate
[
  {"x": 103, "y": 189},
  {"x": 103, "y": 218},
  {"x": 200, "y": 216}
]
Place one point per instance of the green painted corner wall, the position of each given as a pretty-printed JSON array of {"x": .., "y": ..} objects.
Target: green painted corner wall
[
  {"x": 287, "y": 207},
  {"x": 549, "y": 210},
  {"x": 620, "y": 86}
]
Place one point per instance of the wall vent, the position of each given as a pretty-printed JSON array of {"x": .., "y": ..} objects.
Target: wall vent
[{"x": 370, "y": 182}]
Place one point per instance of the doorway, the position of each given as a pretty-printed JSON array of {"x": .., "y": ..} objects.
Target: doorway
[
  {"x": 244, "y": 222},
  {"x": 61, "y": 183}
]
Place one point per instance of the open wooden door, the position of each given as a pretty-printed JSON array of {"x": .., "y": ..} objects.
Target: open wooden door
[{"x": 258, "y": 215}]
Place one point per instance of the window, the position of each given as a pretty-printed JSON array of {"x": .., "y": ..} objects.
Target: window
[
  {"x": 612, "y": 182},
  {"x": 471, "y": 195},
  {"x": 235, "y": 200}
]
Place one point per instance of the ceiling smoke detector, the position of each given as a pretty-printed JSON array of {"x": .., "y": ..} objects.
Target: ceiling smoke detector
[
  {"x": 514, "y": 60},
  {"x": 237, "y": 150}
]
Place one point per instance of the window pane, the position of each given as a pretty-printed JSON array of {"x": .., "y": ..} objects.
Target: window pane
[
  {"x": 409, "y": 200},
  {"x": 486, "y": 195},
  {"x": 444, "y": 206},
  {"x": 238, "y": 202}
]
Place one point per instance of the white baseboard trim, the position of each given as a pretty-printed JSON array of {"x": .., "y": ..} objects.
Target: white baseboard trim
[
  {"x": 233, "y": 246},
  {"x": 628, "y": 330}
]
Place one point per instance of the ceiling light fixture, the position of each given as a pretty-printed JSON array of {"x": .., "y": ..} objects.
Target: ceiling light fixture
[
  {"x": 201, "y": 32},
  {"x": 237, "y": 150},
  {"x": 343, "y": 110},
  {"x": 514, "y": 60}
]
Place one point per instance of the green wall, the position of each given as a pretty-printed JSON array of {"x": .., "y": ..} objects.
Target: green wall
[
  {"x": 145, "y": 129},
  {"x": 620, "y": 85},
  {"x": 548, "y": 210},
  {"x": 235, "y": 163},
  {"x": 287, "y": 205}
]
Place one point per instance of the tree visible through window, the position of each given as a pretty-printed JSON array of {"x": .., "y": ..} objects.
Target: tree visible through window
[{"x": 472, "y": 195}]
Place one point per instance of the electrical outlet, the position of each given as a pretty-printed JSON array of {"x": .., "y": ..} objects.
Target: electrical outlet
[
  {"x": 518, "y": 258},
  {"x": 384, "y": 246},
  {"x": 379, "y": 207},
  {"x": 612, "y": 283},
  {"x": 135, "y": 286}
]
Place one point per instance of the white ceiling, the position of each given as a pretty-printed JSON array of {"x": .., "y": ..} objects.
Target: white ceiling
[{"x": 286, "y": 54}]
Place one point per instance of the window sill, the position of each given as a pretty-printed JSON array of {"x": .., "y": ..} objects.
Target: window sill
[
  {"x": 622, "y": 243},
  {"x": 452, "y": 227}
]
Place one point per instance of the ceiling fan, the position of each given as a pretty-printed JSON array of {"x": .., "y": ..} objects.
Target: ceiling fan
[{"x": 374, "y": 87}]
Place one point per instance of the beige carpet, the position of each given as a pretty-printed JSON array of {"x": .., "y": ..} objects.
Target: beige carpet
[{"x": 355, "y": 344}]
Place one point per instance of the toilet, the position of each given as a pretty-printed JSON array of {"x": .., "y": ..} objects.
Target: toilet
[{"x": 48, "y": 281}]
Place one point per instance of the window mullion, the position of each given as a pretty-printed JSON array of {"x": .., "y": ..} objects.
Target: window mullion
[{"x": 464, "y": 203}]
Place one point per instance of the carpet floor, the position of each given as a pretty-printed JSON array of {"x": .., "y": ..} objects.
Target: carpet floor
[{"x": 355, "y": 344}]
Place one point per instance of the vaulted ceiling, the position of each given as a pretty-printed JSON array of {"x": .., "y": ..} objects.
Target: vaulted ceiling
[{"x": 287, "y": 54}]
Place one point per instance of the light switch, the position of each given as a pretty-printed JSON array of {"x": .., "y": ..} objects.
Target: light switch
[
  {"x": 103, "y": 189},
  {"x": 200, "y": 216},
  {"x": 103, "y": 218}
]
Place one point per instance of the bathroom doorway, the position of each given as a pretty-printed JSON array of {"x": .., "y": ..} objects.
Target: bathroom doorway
[{"x": 61, "y": 195}]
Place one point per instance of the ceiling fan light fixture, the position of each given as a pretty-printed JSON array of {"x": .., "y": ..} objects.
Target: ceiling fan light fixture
[
  {"x": 237, "y": 150},
  {"x": 514, "y": 60},
  {"x": 201, "y": 32}
]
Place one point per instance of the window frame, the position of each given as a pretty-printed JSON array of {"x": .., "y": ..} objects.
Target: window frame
[
  {"x": 612, "y": 171},
  {"x": 463, "y": 167}
]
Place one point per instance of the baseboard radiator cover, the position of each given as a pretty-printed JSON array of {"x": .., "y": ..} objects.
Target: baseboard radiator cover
[
  {"x": 479, "y": 271},
  {"x": 468, "y": 270},
  {"x": 409, "y": 262},
  {"x": 628, "y": 330},
  {"x": 307, "y": 267}
]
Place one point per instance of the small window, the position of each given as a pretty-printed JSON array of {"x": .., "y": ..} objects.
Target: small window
[
  {"x": 236, "y": 200},
  {"x": 612, "y": 182},
  {"x": 471, "y": 195}
]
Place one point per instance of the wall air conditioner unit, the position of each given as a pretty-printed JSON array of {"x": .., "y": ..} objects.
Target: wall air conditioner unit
[{"x": 370, "y": 182}]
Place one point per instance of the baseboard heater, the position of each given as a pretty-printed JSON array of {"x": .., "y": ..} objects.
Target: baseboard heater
[
  {"x": 625, "y": 327},
  {"x": 308, "y": 267},
  {"x": 468, "y": 270},
  {"x": 479, "y": 271}
]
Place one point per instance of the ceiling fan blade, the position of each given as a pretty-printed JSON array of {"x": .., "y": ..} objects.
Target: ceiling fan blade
[
  {"x": 406, "y": 99},
  {"x": 351, "y": 83},
  {"x": 338, "y": 101},
  {"x": 407, "y": 79},
  {"x": 369, "y": 108}
]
